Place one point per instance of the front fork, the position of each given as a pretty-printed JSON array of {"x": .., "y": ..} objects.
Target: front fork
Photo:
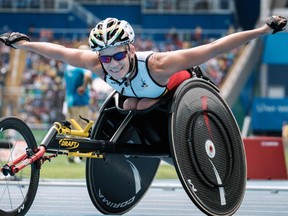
[
  {"x": 23, "y": 161},
  {"x": 29, "y": 157}
]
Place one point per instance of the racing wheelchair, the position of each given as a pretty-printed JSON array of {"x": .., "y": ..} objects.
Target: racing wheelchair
[{"x": 192, "y": 128}]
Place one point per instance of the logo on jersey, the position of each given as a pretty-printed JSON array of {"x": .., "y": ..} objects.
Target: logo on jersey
[{"x": 144, "y": 84}]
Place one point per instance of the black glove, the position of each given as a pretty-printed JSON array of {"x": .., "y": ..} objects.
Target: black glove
[
  {"x": 276, "y": 25},
  {"x": 9, "y": 38}
]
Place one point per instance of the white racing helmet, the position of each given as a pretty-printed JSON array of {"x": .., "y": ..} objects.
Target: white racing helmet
[{"x": 110, "y": 32}]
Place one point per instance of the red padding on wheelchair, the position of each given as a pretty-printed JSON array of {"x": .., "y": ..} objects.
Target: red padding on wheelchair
[{"x": 176, "y": 79}]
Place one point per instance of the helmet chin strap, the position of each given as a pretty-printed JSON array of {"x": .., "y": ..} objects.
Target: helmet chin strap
[{"x": 132, "y": 67}]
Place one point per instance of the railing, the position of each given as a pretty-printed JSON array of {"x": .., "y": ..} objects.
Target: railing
[
  {"x": 53, "y": 5},
  {"x": 84, "y": 14},
  {"x": 148, "y": 6},
  {"x": 187, "y": 6},
  {"x": 56, "y": 6},
  {"x": 116, "y": 2}
]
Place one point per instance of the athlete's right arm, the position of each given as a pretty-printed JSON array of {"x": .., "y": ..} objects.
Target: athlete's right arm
[
  {"x": 71, "y": 56},
  {"x": 76, "y": 57}
]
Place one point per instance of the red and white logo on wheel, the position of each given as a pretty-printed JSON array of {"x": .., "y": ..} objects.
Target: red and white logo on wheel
[{"x": 210, "y": 148}]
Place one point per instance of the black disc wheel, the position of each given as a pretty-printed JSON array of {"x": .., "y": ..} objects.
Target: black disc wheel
[
  {"x": 118, "y": 182},
  {"x": 207, "y": 148},
  {"x": 17, "y": 191}
]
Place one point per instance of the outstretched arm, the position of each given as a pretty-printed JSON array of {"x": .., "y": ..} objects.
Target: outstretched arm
[
  {"x": 201, "y": 54},
  {"x": 70, "y": 56},
  {"x": 164, "y": 65},
  {"x": 76, "y": 57}
]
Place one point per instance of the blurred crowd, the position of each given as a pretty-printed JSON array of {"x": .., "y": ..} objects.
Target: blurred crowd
[{"x": 42, "y": 99}]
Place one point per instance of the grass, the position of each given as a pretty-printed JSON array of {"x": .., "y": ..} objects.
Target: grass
[
  {"x": 60, "y": 168},
  {"x": 166, "y": 172}
]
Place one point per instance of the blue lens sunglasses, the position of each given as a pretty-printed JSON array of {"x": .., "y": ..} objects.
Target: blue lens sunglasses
[{"x": 117, "y": 57}]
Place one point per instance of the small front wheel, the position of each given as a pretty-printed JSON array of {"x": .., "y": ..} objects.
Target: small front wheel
[{"x": 17, "y": 192}]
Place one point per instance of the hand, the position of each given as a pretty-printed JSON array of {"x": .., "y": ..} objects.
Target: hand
[
  {"x": 81, "y": 90},
  {"x": 10, "y": 39},
  {"x": 277, "y": 23}
]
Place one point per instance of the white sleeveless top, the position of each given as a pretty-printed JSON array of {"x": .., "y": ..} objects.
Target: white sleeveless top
[{"x": 141, "y": 84}]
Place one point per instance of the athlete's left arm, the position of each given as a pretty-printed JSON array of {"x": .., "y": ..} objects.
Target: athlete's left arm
[{"x": 164, "y": 64}]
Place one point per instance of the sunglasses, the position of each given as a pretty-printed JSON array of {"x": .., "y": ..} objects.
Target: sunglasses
[{"x": 117, "y": 57}]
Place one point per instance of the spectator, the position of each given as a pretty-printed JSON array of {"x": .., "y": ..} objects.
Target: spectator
[{"x": 77, "y": 83}]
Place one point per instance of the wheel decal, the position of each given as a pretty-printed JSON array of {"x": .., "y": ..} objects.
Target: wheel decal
[
  {"x": 137, "y": 178},
  {"x": 219, "y": 181}
]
